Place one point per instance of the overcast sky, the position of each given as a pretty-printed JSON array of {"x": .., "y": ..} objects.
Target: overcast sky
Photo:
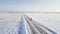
[{"x": 30, "y": 5}]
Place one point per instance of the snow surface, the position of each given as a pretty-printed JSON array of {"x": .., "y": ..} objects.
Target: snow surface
[
  {"x": 10, "y": 22},
  {"x": 50, "y": 20}
]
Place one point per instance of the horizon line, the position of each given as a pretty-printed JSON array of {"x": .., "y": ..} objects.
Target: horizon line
[{"x": 29, "y": 12}]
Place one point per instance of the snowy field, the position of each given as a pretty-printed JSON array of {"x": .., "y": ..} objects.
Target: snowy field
[{"x": 9, "y": 22}]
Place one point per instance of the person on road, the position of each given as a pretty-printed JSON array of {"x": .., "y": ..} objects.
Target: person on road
[{"x": 30, "y": 18}]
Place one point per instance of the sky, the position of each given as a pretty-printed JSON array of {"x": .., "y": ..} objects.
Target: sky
[{"x": 30, "y": 5}]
